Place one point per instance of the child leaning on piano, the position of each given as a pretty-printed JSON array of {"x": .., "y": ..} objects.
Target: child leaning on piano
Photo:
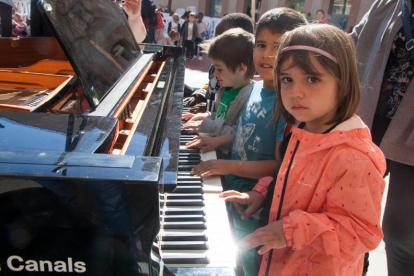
[
  {"x": 255, "y": 141},
  {"x": 234, "y": 71}
]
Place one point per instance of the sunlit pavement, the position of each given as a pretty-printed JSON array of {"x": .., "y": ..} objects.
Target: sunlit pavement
[{"x": 196, "y": 72}]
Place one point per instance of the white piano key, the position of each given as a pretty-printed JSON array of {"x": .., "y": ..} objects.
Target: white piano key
[
  {"x": 222, "y": 250},
  {"x": 211, "y": 184}
]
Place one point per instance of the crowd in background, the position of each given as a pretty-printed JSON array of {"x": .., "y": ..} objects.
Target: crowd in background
[{"x": 330, "y": 229}]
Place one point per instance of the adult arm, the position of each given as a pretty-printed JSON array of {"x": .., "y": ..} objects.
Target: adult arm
[{"x": 370, "y": 14}]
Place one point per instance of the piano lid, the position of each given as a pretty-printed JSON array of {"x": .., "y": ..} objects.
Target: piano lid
[{"x": 97, "y": 39}]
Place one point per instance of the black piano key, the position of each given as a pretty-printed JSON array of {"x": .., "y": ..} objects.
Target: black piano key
[
  {"x": 183, "y": 196},
  {"x": 184, "y": 150},
  {"x": 187, "y": 132},
  {"x": 196, "y": 211},
  {"x": 170, "y": 218},
  {"x": 184, "y": 245},
  {"x": 189, "y": 189},
  {"x": 190, "y": 156},
  {"x": 183, "y": 236},
  {"x": 184, "y": 225},
  {"x": 187, "y": 168},
  {"x": 188, "y": 162},
  {"x": 187, "y": 135},
  {"x": 182, "y": 202},
  {"x": 186, "y": 259}
]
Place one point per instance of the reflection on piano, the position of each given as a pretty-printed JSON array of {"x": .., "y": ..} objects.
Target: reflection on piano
[{"x": 88, "y": 145}]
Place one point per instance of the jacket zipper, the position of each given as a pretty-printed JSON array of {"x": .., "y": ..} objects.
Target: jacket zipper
[{"x": 281, "y": 200}]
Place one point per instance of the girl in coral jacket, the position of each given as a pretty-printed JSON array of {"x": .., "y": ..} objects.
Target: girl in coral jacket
[{"x": 324, "y": 205}]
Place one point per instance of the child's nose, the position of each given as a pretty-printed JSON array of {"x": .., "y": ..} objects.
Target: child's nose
[
  {"x": 296, "y": 91},
  {"x": 269, "y": 52}
]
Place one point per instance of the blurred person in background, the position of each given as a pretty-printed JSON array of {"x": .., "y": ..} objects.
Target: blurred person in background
[{"x": 6, "y": 17}]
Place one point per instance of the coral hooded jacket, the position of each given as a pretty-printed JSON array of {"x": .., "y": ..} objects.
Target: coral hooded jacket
[{"x": 333, "y": 186}]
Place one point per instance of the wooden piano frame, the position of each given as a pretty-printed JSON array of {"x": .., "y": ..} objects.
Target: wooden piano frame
[{"x": 26, "y": 88}]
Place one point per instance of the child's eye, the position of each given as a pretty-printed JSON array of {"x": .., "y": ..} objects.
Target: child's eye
[
  {"x": 219, "y": 70},
  {"x": 313, "y": 80},
  {"x": 286, "y": 80},
  {"x": 260, "y": 45}
]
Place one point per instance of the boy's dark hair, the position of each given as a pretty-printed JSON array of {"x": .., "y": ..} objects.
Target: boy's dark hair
[
  {"x": 235, "y": 20},
  {"x": 280, "y": 21},
  {"x": 234, "y": 47},
  {"x": 185, "y": 15},
  {"x": 322, "y": 11}
]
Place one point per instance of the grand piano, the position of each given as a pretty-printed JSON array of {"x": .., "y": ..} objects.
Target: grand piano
[{"x": 94, "y": 179}]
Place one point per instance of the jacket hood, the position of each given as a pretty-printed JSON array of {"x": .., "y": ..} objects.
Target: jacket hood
[{"x": 353, "y": 133}]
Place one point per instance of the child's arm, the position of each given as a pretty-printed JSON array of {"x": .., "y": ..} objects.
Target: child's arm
[
  {"x": 270, "y": 236},
  {"x": 133, "y": 9},
  {"x": 253, "y": 199},
  {"x": 206, "y": 144},
  {"x": 250, "y": 169},
  {"x": 350, "y": 223}
]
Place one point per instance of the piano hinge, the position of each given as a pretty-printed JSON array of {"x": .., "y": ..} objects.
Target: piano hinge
[{"x": 15, "y": 42}]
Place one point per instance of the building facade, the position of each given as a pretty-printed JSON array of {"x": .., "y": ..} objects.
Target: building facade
[{"x": 342, "y": 13}]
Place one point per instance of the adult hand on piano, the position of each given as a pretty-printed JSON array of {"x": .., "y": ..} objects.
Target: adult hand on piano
[
  {"x": 270, "y": 236},
  {"x": 203, "y": 143},
  {"x": 253, "y": 199}
]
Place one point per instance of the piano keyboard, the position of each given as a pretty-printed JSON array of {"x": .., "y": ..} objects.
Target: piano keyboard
[{"x": 195, "y": 231}]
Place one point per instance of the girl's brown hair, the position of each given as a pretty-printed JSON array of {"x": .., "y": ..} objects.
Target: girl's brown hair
[{"x": 338, "y": 44}]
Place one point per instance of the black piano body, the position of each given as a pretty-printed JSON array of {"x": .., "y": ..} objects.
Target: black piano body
[{"x": 87, "y": 146}]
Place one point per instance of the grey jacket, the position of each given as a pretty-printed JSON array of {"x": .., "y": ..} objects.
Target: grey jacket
[
  {"x": 218, "y": 127},
  {"x": 374, "y": 36},
  {"x": 184, "y": 30}
]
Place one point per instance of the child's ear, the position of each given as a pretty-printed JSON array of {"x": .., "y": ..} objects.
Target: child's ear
[{"x": 242, "y": 69}]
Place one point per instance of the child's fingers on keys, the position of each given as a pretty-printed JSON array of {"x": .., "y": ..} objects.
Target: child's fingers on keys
[
  {"x": 249, "y": 211},
  {"x": 267, "y": 247},
  {"x": 208, "y": 173},
  {"x": 238, "y": 206},
  {"x": 205, "y": 149},
  {"x": 229, "y": 193}
]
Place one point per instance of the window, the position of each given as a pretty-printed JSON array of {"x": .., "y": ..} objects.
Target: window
[{"x": 215, "y": 8}]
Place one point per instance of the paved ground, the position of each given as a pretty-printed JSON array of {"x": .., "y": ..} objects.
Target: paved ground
[
  {"x": 196, "y": 76},
  {"x": 196, "y": 72}
]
